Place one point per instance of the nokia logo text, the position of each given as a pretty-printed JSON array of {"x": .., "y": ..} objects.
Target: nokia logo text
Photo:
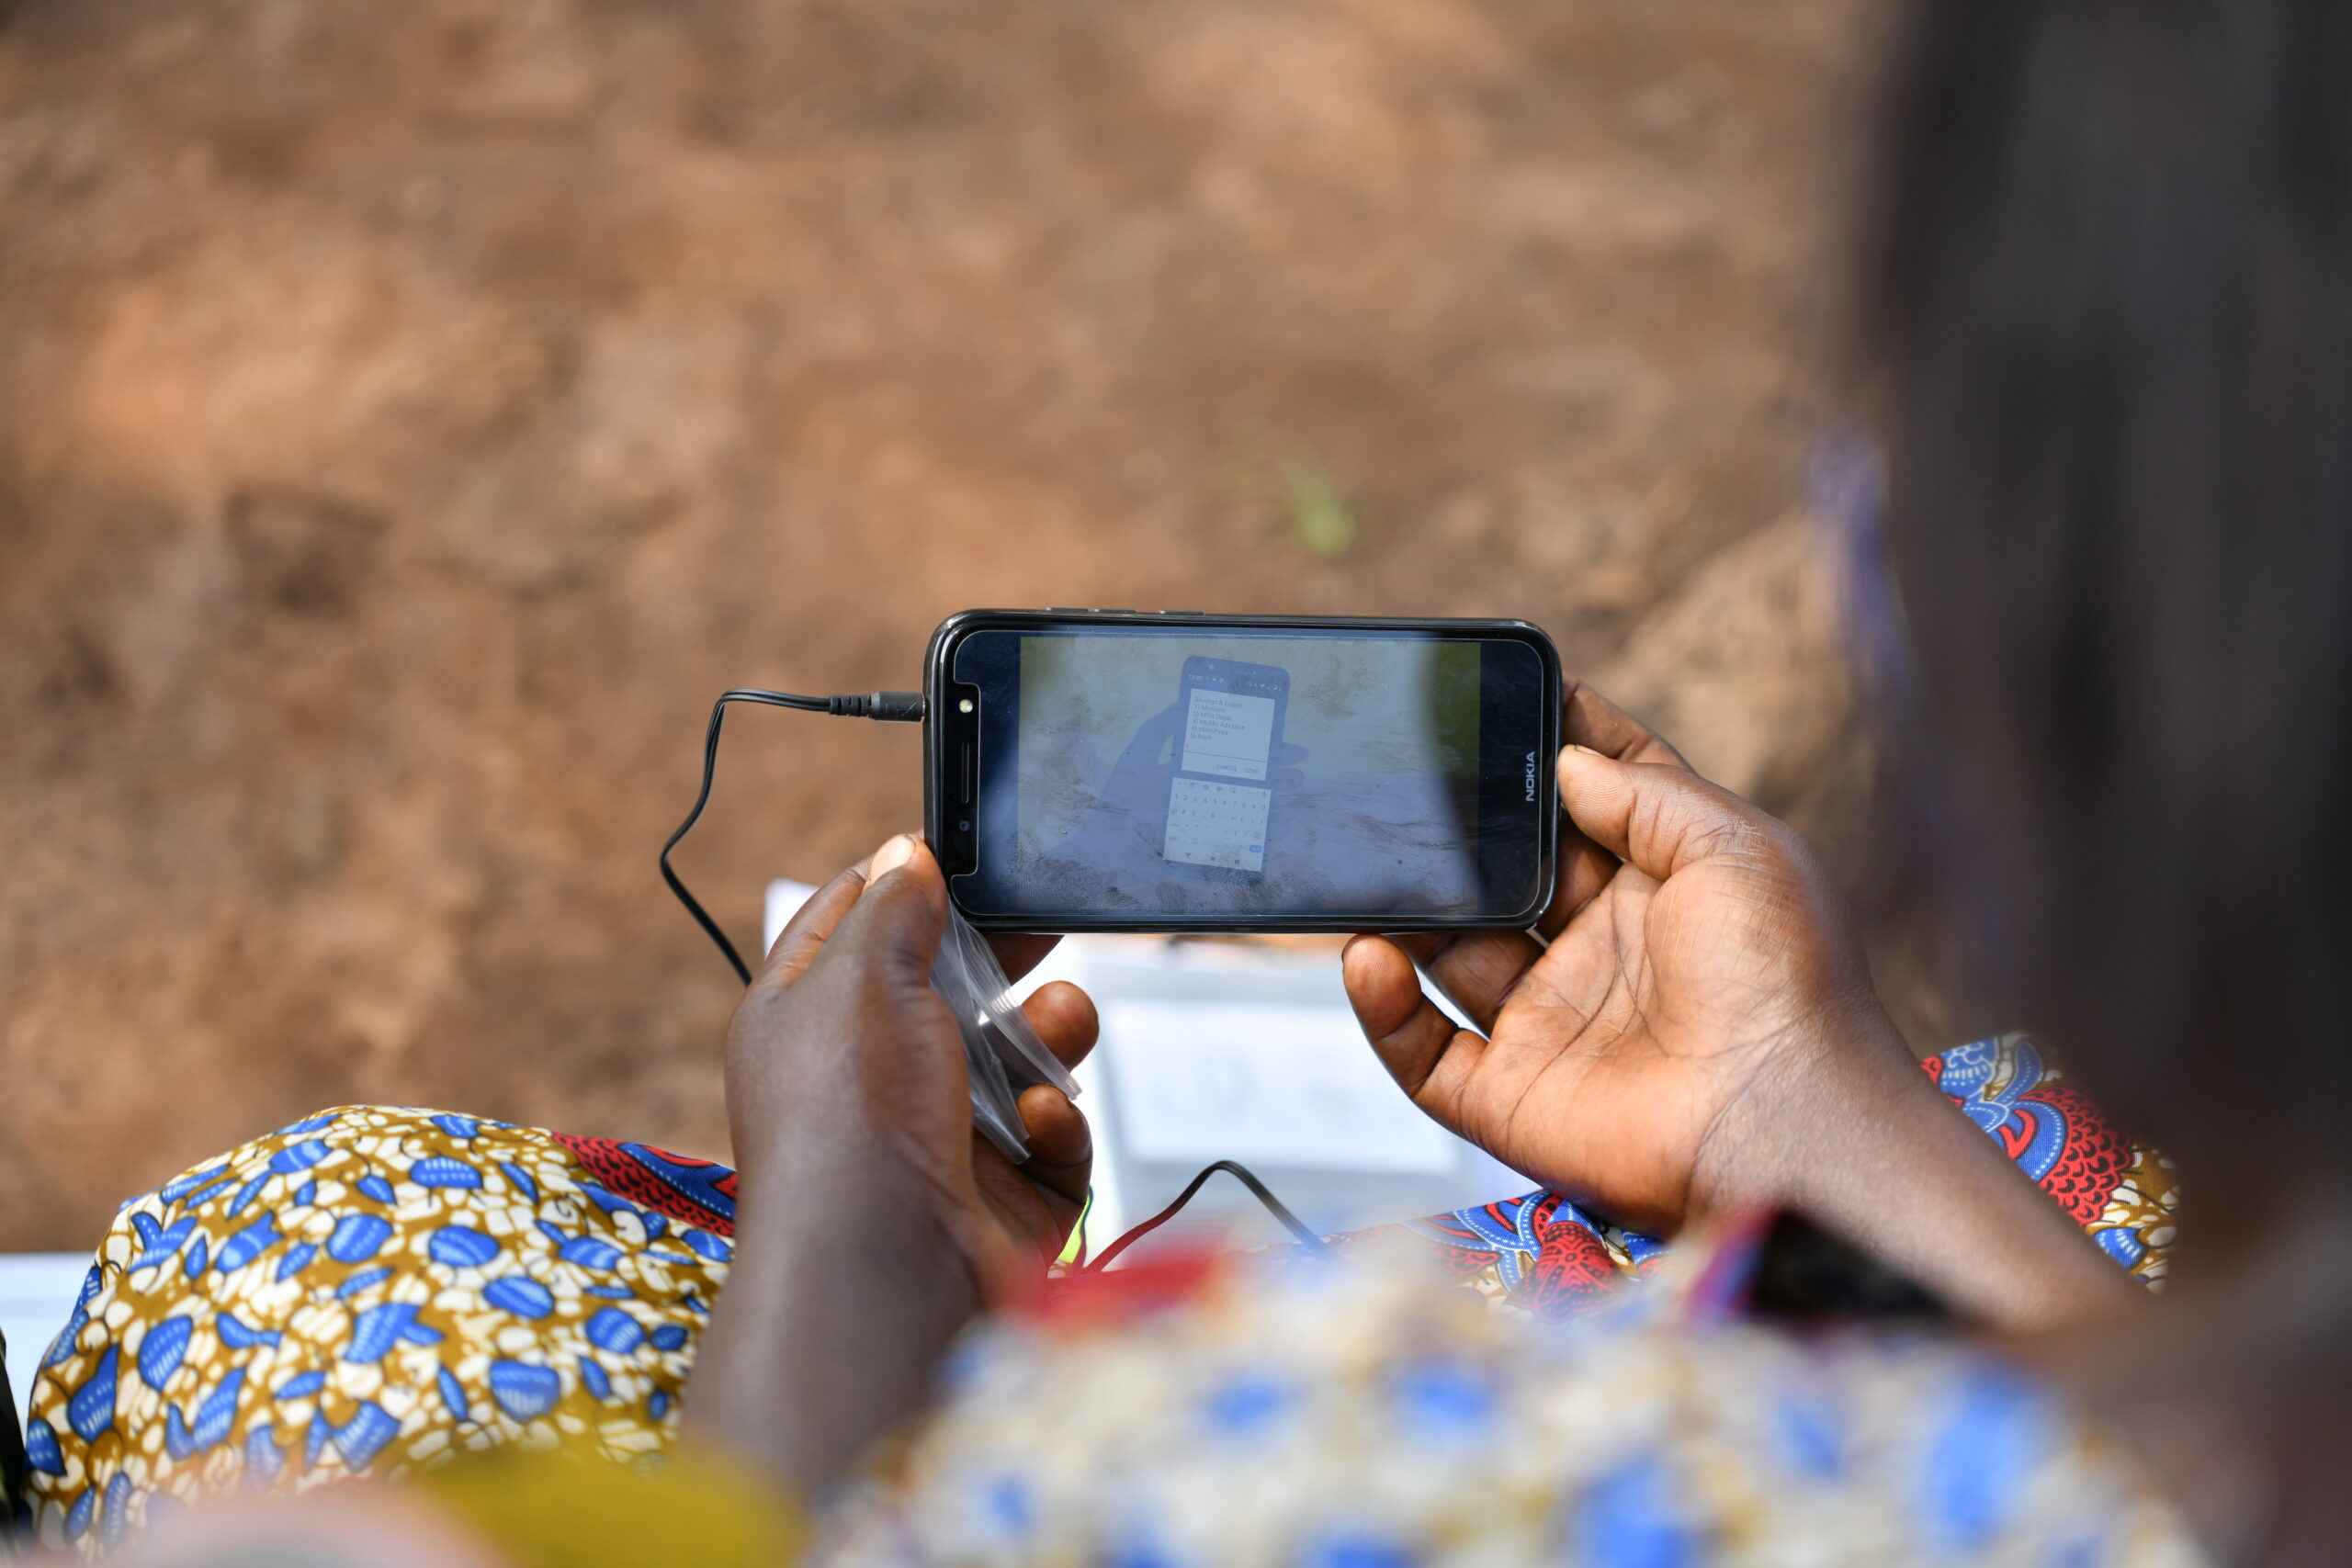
[{"x": 1530, "y": 776}]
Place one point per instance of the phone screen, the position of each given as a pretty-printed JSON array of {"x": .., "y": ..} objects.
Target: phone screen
[
  {"x": 1189, "y": 776},
  {"x": 1220, "y": 788}
]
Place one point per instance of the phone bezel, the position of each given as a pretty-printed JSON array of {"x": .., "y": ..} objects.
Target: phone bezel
[{"x": 945, "y": 733}]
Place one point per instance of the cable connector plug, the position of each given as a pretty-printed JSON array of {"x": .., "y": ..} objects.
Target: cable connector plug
[
  {"x": 890, "y": 708},
  {"x": 898, "y": 707}
]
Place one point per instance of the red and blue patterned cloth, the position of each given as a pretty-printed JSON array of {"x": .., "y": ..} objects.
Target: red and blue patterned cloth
[{"x": 1544, "y": 1253}]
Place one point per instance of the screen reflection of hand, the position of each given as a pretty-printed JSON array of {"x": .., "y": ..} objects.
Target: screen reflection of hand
[{"x": 1118, "y": 844}]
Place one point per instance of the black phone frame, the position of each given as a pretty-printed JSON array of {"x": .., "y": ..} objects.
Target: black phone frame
[{"x": 950, "y": 755}]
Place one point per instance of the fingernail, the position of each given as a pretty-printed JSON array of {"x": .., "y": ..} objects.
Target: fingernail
[
  {"x": 1586, "y": 750},
  {"x": 893, "y": 854}
]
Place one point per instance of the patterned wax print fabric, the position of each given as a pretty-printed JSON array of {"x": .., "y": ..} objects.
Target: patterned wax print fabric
[
  {"x": 1356, "y": 1410},
  {"x": 1543, "y": 1255},
  {"x": 372, "y": 1289}
]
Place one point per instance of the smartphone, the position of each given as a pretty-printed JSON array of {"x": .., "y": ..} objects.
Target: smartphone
[
  {"x": 1220, "y": 775},
  {"x": 1105, "y": 769}
]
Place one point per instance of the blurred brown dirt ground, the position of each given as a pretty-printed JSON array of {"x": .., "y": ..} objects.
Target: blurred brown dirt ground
[{"x": 411, "y": 416}]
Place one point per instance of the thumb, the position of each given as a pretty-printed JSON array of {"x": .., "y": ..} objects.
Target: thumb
[
  {"x": 1656, "y": 816},
  {"x": 898, "y": 921}
]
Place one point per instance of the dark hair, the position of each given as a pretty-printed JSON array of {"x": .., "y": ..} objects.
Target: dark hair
[{"x": 2107, "y": 279}]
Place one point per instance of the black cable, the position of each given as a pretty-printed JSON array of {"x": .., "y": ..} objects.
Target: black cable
[
  {"x": 899, "y": 707},
  {"x": 1240, "y": 1172}
]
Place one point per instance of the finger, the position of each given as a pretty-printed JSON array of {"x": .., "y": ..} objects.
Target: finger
[
  {"x": 1585, "y": 870},
  {"x": 1060, "y": 1145},
  {"x": 1017, "y": 953},
  {"x": 1591, "y": 720},
  {"x": 804, "y": 935},
  {"x": 1289, "y": 779},
  {"x": 897, "y": 921},
  {"x": 1291, "y": 754},
  {"x": 1422, "y": 1049},
  {"x": 1065, "y": 1018},
  {"x": 1657, "y": 819},
  {"x": 1478, "y": 970}
]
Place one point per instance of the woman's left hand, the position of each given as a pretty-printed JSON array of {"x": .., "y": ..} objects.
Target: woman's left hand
[
  {"x": 841, "y": 1029},
  {"x": 872, "y": 1219}
]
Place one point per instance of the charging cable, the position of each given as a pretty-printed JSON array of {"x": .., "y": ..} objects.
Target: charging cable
[
  {"x": 1242, "y": 1174},
  {"x": 909, "y": 707},
  {"x": 891, "y": 708}
]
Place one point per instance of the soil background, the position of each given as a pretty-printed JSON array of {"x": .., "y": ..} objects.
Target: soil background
[{"x": 410, "y": 417}]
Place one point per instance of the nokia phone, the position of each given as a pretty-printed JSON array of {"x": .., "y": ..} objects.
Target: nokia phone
[{"x": 1093, "y": 770}]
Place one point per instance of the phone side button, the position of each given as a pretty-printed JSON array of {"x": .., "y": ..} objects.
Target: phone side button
[{"x": 1183, "y": 612}]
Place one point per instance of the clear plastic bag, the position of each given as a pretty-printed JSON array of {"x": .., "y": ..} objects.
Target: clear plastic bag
[{"x": 1001, "y": 1052}]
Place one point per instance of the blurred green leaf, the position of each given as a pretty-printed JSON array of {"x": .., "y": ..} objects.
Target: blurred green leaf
[
  {"x": 1074, "y": 1247},
  {"x": 1319, "y": 513}
]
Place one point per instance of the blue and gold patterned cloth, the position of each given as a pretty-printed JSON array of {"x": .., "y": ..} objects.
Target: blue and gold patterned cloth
[
  {"x": 374, "y": 1290},
  {"x": 1359, "y": 1414},
  {"x": 368, "y": 1290}
]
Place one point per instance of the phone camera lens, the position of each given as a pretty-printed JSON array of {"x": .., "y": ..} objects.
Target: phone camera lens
[{"x": 963, "y": 827}]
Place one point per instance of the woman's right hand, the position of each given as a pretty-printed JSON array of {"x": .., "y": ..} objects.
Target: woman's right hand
[
  {"x": 1698, "y": 960},
  {"x": 1698, "y": 1034}
]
